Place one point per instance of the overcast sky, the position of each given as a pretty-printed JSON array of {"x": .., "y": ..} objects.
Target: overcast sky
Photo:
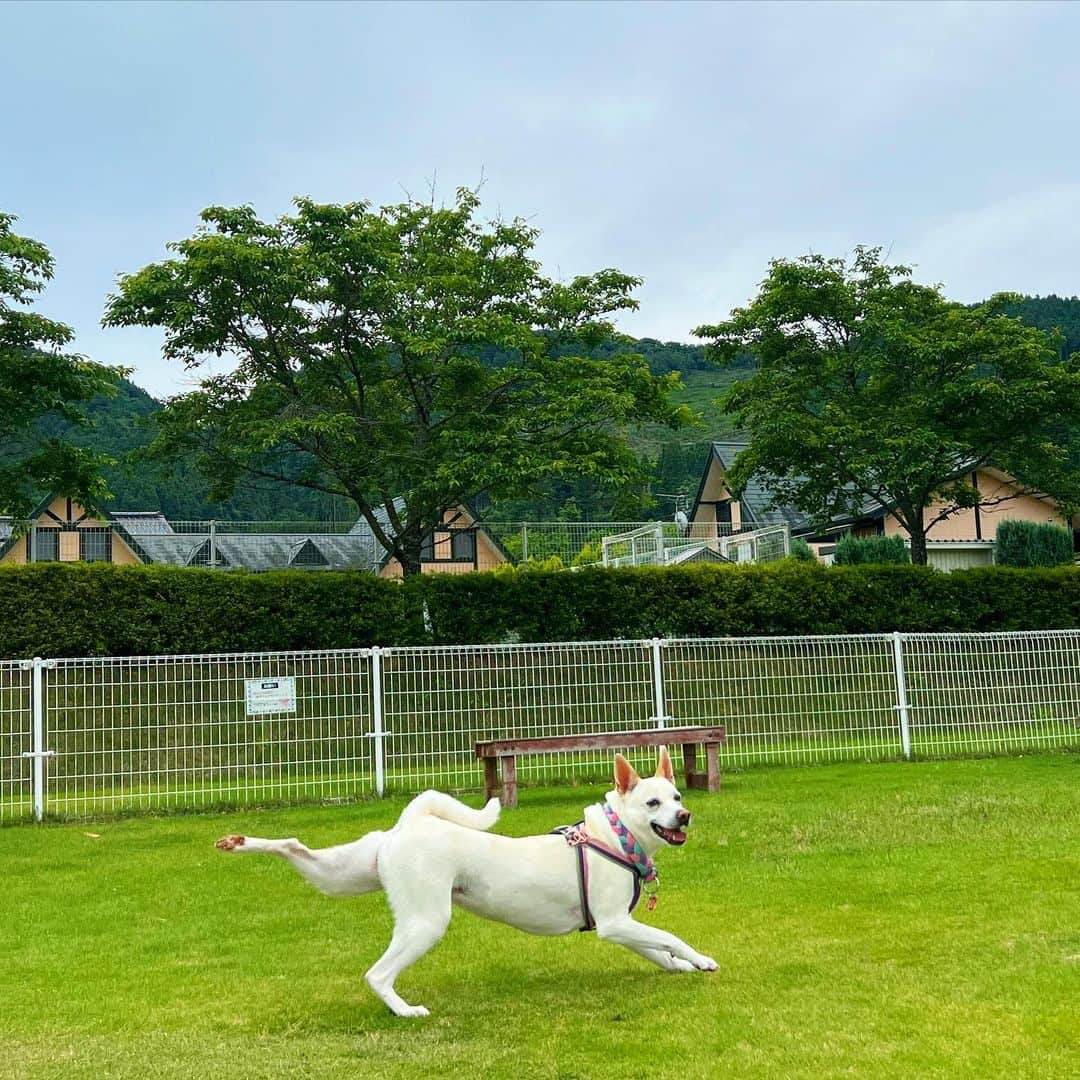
[{"x": 685, "y": 143}]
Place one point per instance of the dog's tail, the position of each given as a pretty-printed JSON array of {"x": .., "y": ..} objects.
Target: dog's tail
[{"x": 436, "y": 804}]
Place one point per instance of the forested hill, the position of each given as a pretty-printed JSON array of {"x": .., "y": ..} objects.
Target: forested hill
[
  {"x": 121, "y": 426},
  {"x": 1052, "y": 313}
]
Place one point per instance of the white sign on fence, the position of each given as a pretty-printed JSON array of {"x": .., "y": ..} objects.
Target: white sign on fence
[{"x": 264, "y": 696}]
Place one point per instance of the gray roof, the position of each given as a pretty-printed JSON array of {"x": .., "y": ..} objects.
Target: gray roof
[
  {"x": 760, "y": 505},
  {"x": 141, "y": 522},
  {"x": 693, "y": 553},
  {"x": 263, "y": 551}
]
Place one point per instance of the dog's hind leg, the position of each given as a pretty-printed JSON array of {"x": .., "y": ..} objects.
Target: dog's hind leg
[
  {"x": 421, "y": 916},
  {"x": 345, "y": 870}
]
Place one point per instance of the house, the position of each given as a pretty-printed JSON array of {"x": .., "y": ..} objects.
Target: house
[
  {"x": 459, "y": 546},
  {"x": 60, "y": 530},
  {"x": 965, "y": 538}
]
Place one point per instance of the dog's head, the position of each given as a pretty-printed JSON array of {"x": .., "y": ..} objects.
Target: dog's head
[{"x": 650, "y": 807}]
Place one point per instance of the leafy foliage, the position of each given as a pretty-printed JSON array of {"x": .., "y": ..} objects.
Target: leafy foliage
[
  {"x": 38, "y": 378},
  {"x": 1028, "y": 543},
  {"x": 866, "y": 550},
  {"x": 55, "y": 609},
  {"x": 870, "y": 386},
  {"x": 801, "y": 551},
  {"x": 358, "y": 334}
]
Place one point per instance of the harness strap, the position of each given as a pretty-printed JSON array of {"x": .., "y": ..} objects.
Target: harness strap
[{"x": 579, "y": 840}]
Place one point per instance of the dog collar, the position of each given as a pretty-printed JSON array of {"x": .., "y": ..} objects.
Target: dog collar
[{"x": 633, "y": 850}]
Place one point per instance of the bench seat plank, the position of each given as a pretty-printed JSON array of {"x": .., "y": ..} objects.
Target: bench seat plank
[
  {"x": 504, "y": 753},
  {"x": 613, "y": 740}
]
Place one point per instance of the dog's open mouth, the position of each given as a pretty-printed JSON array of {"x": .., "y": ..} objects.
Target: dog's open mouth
[{"x": 669, "y": 836}]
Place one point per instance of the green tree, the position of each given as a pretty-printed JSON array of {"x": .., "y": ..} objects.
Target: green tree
[
  {"x": 358, "y": 335},
  {"x": 38, "y": 381},
  {"x": 871, "y": 387}
]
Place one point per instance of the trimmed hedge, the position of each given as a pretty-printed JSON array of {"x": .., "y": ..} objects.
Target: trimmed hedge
[
  {"x": 80, "y": 610},
  {"x": 50, "y": 609}
]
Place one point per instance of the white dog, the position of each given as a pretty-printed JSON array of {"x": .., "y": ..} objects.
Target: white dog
[{"x": 439, "y": 854}]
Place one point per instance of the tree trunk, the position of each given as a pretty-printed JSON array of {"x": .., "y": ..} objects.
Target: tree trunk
[
  {"x": 917, "y": 532},
  {"x": 409, "y": 554},
  {"x": 410, "y": 563}
]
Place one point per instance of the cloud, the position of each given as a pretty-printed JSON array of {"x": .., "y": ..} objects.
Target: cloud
[{"x": 1025, "y": 242}]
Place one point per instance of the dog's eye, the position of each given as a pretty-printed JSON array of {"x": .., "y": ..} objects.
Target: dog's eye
[
  {"x": 652, "y": 804},
  {"x": 678, "y": 798}
]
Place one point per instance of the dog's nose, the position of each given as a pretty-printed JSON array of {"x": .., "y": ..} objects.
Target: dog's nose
[{"x": 684, "y": 817}]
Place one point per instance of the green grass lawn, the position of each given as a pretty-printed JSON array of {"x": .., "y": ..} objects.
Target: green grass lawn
[{"x": 892, "y": 920}]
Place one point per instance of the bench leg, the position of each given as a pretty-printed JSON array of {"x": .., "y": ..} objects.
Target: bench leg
[
  {"x": 491, "y": 777},
  {"x": 509, "y": 781},
  {"x": 694, "y": 779},
  {"x": 712, "y": 763}
]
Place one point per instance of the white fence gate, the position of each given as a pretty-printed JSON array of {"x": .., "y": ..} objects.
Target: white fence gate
[
  {"x": 16, "y": 740},
  {"x": 100, "y": 735}
]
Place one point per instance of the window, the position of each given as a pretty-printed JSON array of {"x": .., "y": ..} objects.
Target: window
[
  {"x": 43, "y": 545},
  {"x": 95, "y": 545},
  {"x": 307, "y": 554},
  {"x": 463, "y": 545},
  {"x": 449, "y": 545}
]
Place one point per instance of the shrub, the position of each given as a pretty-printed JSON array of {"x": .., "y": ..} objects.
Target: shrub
[
  {"x": 801, "y": 550},
  {"x": 871, "y": 550},
  {"x": 1027, "y": 544}
]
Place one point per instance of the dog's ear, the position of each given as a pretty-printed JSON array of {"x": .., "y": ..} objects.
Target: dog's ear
[
  {"x": 663, "y": 766},
  {"x": 625, "y": 775}
]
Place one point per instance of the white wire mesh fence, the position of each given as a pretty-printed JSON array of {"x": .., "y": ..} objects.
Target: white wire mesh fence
[
  {"x": 16, "y": 739},
  {"x": 439, "y": 702},
  {"x": 788, "y": 699},
  {"x": 145, "y": 733},
  {"x": 757, "y": 545},
  {"x": 985, "y": 693},
  {"x": 89, "y": 736}
]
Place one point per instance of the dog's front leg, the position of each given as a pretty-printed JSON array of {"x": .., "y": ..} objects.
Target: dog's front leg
[
  {"x": 648, "y": 940},
  {"x": 662, "y": 958}
]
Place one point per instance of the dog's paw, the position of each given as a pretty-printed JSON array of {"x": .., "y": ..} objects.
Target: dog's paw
[
  {"x": 412, "y": 1010},
  {"x": 677, "y": 963},
  {"x": 705, "y": 963},
  {"x": 230, "y": 843}
]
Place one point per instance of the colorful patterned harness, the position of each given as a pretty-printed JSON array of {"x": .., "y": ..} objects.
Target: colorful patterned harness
[{"x": 632, "y": 858}]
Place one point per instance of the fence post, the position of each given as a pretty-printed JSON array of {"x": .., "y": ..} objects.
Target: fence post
[
  {"x": 658, "y": 682},
  {"x": 377, "y": 717},
  {"x": 524, "y": 542},
  {"x": 213, "y": 544},
  {"x": 901, "y": 694},
  {"x": 37, "y": 752}
]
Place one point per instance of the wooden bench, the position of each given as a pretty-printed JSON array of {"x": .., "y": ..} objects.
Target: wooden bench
[{"x": 507, "y": 751}]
